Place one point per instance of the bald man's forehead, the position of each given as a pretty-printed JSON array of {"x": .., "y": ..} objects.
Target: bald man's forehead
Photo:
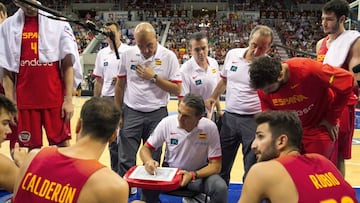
[{"x": 144, "y": 27}]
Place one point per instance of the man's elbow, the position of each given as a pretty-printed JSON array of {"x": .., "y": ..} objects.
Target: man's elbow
[
  {"x": 216, "y": 167},
  {"x": 177, "y": 91}
]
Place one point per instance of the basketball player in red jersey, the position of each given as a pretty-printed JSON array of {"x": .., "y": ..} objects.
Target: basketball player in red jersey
[
  {"x": 334, "y": 14},
  {"x": 74, "y": 174},
  {"x": 282, "y": 174},
  {"x": 40, "y": 59}
]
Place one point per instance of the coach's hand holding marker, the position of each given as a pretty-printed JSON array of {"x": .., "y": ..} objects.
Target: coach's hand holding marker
[{"x": 151, "y": 167}]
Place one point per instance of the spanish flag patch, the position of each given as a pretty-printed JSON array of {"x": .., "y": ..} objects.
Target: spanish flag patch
[
  {"x": 158, "y": 63},
  {"x": 202, "y": 136}
]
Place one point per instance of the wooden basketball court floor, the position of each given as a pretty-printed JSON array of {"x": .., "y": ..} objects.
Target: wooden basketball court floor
[{"x": 352, "y": 165}]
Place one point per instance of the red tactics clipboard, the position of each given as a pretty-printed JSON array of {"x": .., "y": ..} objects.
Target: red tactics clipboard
[{"x": 144, "y": 183}]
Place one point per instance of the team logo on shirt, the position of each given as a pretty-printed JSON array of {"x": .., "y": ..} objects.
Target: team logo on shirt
[
  {"x": 174, "y": 141},
  {"x": 198, "y": 82},
  {"x": 133, "y": 67},
  {"x": 233, "y": 68},
  {"x": 34, "y": 63},
  {"x": 106, "y": 63},
  {"x": 158, "y": 62},
  {"x": 24, "y": 136},
  {"x": 320, "y": 57},
  {"x": 213, "y": 70},
  {"x": 202, "y": 136}
]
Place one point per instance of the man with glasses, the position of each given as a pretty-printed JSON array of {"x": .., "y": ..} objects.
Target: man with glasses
[{"x": 242, "y": 102}]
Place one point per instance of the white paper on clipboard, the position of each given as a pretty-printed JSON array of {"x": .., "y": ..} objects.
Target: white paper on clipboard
[{"x": 162, "y": 174}]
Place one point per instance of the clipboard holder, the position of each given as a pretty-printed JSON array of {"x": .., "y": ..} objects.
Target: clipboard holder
[{"x": 151, "y": 184}]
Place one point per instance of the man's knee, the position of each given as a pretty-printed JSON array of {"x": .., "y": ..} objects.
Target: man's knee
[
  {"x": 218, "y": 184},
  {"x": 221, "y": 186}
]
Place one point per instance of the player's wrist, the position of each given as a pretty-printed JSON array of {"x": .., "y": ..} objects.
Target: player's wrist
[
  {"x": 67, "y": 98},
  {"x": 153, "y": 79},
  {"x": 196, "y": 174}
]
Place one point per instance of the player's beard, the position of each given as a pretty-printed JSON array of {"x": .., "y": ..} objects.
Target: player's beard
[
  {"x": 334, "y": 29},
  {"x": 269, "y": 153},
  {"x": 281, "y": 83}
]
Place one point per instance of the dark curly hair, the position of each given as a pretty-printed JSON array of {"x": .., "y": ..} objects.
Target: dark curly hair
[
  {"x": 282, "y": 122},
  {"x": 339, "y": 7},
  {"x": 264, "y": 70}
]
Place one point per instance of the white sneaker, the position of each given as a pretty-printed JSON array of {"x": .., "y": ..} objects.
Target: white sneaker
[{"x": 133, "y": 190}]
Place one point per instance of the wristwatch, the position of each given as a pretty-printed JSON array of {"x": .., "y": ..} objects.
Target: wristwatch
[{"x": 153, "y": 79}]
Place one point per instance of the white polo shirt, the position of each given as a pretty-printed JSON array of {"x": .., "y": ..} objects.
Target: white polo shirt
[
  {"x": 106, "y": 67},
  {"x": 240, "y": 97},
  {"x": 187, "y": 150},
  {"x": 196, "y": 80},
  {"x": 143, "y": 95}
]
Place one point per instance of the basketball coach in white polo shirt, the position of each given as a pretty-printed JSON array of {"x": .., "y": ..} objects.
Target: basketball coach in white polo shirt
[
  {"x": 193, "y": 145},
  {"x": 148, "y": 73}
]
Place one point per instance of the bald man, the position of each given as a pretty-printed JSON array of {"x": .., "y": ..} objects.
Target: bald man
[{"x": 150, "y": 73}]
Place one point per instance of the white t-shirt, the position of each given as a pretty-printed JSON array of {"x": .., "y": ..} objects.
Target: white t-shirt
[
  {"x": 187, "y": 150},
  {"x": 143, "y": 95}
]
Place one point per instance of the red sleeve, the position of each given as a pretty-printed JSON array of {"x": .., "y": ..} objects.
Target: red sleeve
[{"x": 341, "y": 82}]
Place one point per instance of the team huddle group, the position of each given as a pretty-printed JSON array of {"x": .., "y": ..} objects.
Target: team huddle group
[{"x": 294, "y": 119}]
